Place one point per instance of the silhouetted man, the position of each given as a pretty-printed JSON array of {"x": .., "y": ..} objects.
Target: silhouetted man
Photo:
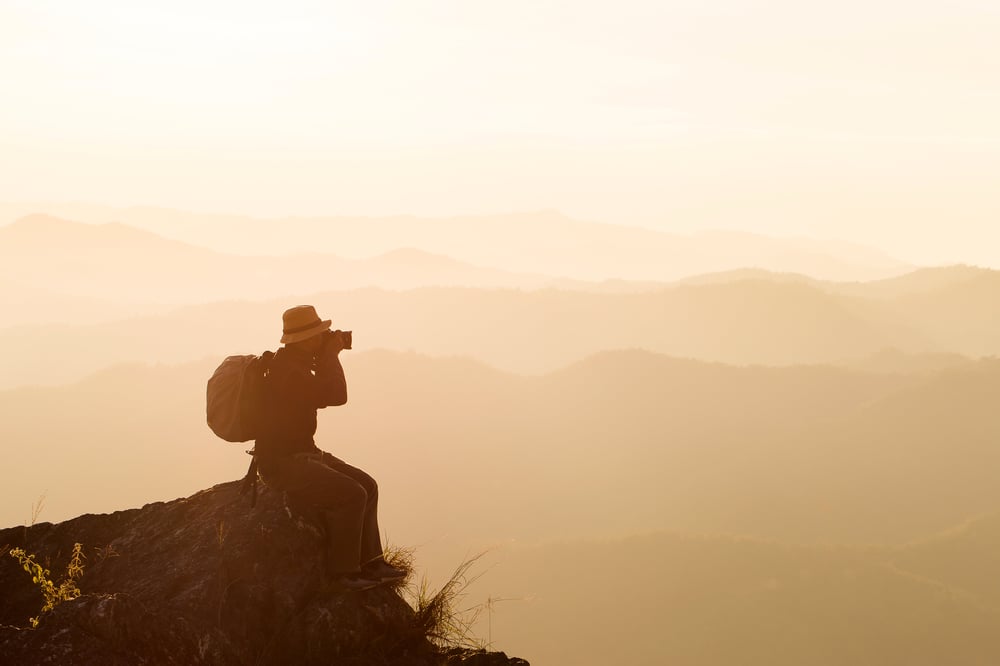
[{"x": 304, "y": 376}]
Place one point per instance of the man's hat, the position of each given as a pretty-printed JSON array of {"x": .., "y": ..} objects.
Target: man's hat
[{"x": 300, "y": 323}]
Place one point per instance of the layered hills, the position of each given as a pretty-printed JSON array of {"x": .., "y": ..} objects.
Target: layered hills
[
  {"x": 637, "y": 444},
  {"x": 79, "y": 297},
  {"x": 131, "y": 266},
  {"x": 712, "y": 599},
  {"x": 633, "y": 441},
  {"x": 741, "y": 322},
  {"x": 732, "y": 449},
  {"x": 544, "y": 242}
]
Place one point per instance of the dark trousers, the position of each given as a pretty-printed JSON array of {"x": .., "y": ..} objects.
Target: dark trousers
[{"x": 345, "y": 495}]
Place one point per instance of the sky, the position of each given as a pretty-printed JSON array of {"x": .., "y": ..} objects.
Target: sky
[{"x": 865, "y": 121}]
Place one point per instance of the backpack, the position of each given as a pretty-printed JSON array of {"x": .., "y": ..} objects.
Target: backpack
[{"x": 234, "y": 396}]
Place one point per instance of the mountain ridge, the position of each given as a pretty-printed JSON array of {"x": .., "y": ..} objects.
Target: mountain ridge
[
  {"x": 534, "y": 242},
  {"x": 138, "y": 266},
  {"x": 703, "y": 435},
  {"x": 534, "y": 331}
]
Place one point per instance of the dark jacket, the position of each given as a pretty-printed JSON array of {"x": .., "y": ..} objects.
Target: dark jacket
[{"x": 295, "y": 387}]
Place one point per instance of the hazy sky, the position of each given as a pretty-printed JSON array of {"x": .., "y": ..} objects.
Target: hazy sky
[{"x": 870, "y": 121}]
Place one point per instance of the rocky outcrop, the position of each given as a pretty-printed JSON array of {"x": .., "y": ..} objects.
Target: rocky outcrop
[{"x": 204, "y": 580}]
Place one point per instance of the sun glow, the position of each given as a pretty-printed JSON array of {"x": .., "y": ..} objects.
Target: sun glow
[{"x": 784, "y": 119}]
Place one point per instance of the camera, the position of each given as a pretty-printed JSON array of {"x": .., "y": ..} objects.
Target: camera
[{"x": 345, "y": 337}]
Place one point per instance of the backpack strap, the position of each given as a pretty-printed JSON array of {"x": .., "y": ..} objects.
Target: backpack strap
[{"x": 250, "y": 480}]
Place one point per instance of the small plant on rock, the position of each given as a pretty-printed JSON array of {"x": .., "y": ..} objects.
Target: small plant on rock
[{"x": 53, "y": 594}]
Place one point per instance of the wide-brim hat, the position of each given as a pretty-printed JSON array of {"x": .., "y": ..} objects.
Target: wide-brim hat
[{"x": 301, "y": 323}]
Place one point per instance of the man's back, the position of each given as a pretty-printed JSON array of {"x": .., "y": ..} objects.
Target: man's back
[{"x": 292, "y": 394}]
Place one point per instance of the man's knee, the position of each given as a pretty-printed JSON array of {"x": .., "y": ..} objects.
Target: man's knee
[
  {"x": 371, "y": 487},
  {"x": 364, "y": 479},
  {"x": 355, "y": 496}
]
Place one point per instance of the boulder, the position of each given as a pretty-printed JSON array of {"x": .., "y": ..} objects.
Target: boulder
[{"x": 204, "y": 580}]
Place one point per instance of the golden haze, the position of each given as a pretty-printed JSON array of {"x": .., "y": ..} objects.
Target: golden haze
[{"x": 794, "y": 463}]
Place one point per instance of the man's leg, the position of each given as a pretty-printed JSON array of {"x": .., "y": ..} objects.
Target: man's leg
[
  {"x": 371, "y": 539},
  {"x": 342, "y": 500}
]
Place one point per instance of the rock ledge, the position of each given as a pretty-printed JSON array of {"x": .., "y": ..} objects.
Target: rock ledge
[{"x": 204, "y": 580}]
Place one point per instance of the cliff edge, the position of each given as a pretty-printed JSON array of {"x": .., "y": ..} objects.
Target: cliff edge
[{"x": 204, "y": 580}]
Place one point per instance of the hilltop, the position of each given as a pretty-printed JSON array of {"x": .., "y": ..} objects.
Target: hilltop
[{"x": 206, "y": 580}]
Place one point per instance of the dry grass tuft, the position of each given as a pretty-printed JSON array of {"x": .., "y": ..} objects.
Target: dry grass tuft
[{"x": 439, "y": 615}]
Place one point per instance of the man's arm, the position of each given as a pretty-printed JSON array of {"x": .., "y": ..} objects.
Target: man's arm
[{"x": 330, "y": 380}]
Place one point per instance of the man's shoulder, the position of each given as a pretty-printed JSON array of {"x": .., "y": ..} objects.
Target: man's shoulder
[
  {"x": 290, "y": 357},
  {"x": 289, "y": 364}
]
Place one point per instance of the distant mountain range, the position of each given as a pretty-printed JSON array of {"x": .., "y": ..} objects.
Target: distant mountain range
[
  {"x": 544, "y": 243},
  {"x": 818, "y": 414},
  {"x": 706, "y": 600},
  {"x": 119, "y": 264},
  {"x": 616, "y": 444},
  {"x": 935, "y": 313},
  {"x": 802, "y": 512},
  {"x": 919, "y": 281}
]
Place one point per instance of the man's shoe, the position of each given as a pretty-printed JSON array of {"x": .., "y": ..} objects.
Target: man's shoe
[
  {"x": 354, "y": 581},
  {"x": 383, "y": 572}
]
